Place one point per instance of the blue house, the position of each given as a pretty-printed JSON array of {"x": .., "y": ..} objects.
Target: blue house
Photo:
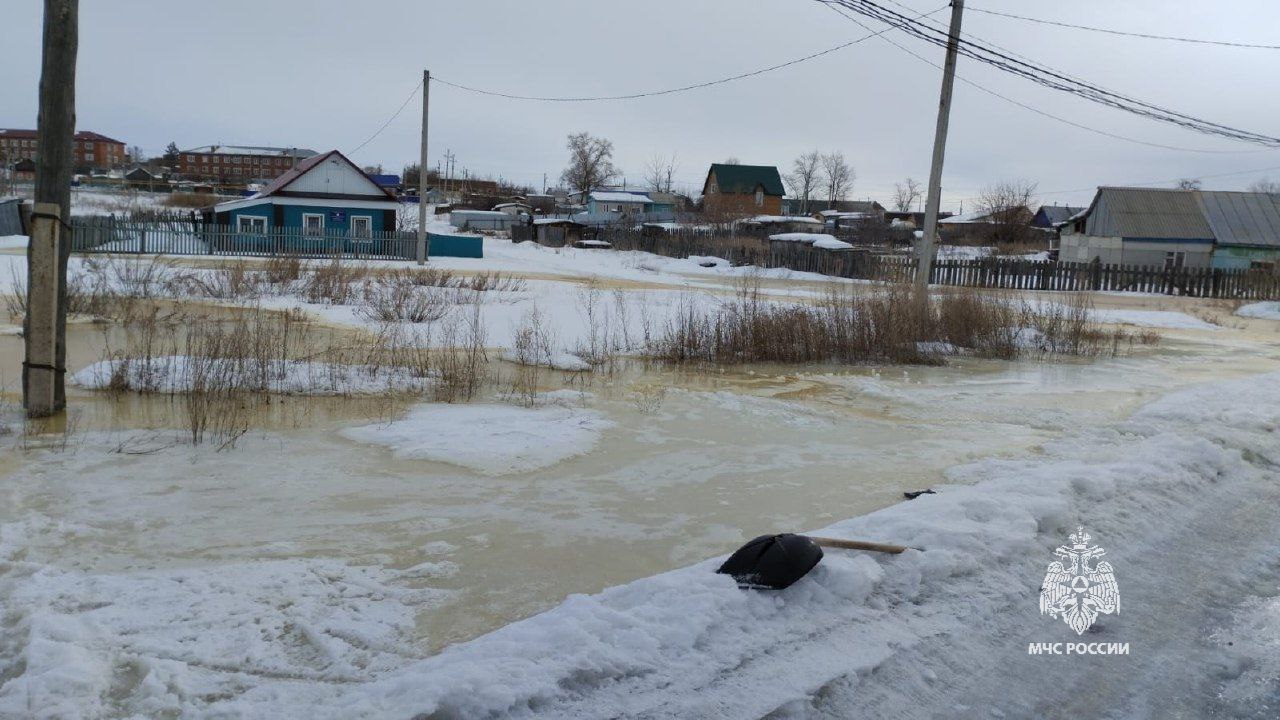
[
  {"x": 325, "y": 195},
  {"x": 325, "y": 204}
]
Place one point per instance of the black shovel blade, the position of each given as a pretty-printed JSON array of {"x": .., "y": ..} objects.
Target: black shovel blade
[{"x": 772, "y": 561}]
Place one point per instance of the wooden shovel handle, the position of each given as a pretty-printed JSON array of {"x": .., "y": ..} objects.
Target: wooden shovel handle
[{"x": 859, "y": 545}]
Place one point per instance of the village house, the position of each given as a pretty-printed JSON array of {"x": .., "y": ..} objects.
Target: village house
[
  {"x": 740, "y": 190},
  {"x": 239, "y": 163},
  {"x": 1049, "y": 217},
  {"x": 1175, "y": 228},
  {"x": 324, "y": 195},
  {"x": 89, "y": 150}
]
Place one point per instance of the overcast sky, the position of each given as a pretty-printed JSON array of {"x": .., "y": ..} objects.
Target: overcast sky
[{"x": 327, "y": 74}]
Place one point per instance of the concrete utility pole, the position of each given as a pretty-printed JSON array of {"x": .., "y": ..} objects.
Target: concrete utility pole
[
  {"x": 925, "y": 265},
  {"x": 45, "y": 326},
  {"x": 424, "y": 241}
]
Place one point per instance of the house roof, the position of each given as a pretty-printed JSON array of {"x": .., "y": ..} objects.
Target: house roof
[
  {"x": 1155, "y": 213},
  {"x": 385, "y": 180},
  {"x": 297, "y": 171},
  {"x": 1055, "y": 214},
  {"x": 746, "y": 178},
  {"x": 1226, "y": 217},
  {"x": 251, "y": 150},
  {"x": 610, "y": 196}
]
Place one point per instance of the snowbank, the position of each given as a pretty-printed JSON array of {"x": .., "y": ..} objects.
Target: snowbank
[
  {"x": 1261, "y": 310},
  {"x": 1151, "y": 318},
  {"x": 491, "y": 439},
  {"x": 177, "y": 373}
]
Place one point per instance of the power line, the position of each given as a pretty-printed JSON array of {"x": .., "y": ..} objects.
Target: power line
[
  {"x": 1108, "y": 31},
  {"x": 683, "y": 88},
  {"x": 1033, "y": 109},
  {"x": 412, "y": 94},
  {"x": 1049, "y": 78}
]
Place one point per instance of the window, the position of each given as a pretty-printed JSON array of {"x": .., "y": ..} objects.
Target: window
[
  {"x": 251, "y": 224},
  {"x": 1174, "y": 259},
  {"x": 88, "y": 157},
  {"x": 759, "y": 196},
  {"x": 191, "y": 158},
  {"x": 361, "y": 226},
  {"x": 312, "y": 224}
]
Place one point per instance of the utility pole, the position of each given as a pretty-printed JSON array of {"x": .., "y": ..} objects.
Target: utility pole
[
  {"x": 45, "y": 326},
  {"x": 924, "y": 265},
  {"x": 424, "y": 242}
]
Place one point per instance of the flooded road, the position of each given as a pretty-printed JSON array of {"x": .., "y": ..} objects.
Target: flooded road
[{"x": 691, "y": 465}]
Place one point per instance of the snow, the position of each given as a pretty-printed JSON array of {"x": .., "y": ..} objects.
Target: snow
[
  {"x": 176, "y": 373},
  {"x": 1261, "y": 310},
  {"x": 620, "y": 197},
  {"x": 770, "y": 219},
  {"x": 1151, "y": 318},
  {"x": 490, "y": 439},
  {"x": 831, "y": 244},
  {"x": 557, "y": 361},
  {"x": 963, "y": 252}
]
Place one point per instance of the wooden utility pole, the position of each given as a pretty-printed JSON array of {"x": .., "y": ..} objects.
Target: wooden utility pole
[
  {"x": 424, "y": 240},
  {"x": 45, "y": 326},
  {"x": 925, "y": 263}
]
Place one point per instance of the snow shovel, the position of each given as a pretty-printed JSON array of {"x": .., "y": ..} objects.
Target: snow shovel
[{"x": 777, "y": 561}]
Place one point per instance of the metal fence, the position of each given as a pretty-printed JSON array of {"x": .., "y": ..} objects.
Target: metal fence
[{"x": 106, "y": 235}]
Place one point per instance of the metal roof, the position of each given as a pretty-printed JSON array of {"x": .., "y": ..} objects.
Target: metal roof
[
  {"x": 745, "y": 178},
  {"x": 1152, "y": 213},
  {"x": 1243, "y": 218}
]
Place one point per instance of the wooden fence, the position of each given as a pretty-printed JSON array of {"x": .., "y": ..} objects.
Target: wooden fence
[
  {"x": 106, "y": 235},
  {"x": 1010, "y": 273}
]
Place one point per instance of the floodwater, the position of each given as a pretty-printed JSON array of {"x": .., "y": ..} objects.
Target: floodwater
[{"x": 694, "y": 464}]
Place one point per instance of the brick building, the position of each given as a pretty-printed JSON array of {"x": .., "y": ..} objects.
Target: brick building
[
  {"x": 90, "y": 150},
  {"x": 239, "y": 163},
  {"x": 739, "y": 190}
]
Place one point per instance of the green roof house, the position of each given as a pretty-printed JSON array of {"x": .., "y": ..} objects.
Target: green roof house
[{"x": 732, "y": 191}]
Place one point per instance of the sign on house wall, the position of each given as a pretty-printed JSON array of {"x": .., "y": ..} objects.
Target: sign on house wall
[{"x": 337, "y": 216}]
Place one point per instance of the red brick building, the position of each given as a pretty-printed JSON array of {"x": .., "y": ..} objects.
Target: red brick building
[
  {"x": 90, "y": 150},
  {"x": 239, "y": 163}
]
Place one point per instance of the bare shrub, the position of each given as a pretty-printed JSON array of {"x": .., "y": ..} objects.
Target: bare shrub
[
  {"x": 462, "y": 358},
  {"x": 399, "y": 299},
  {"x": 531, "y": 349},
  {"x": 231, "y": 281},
  {"x": 648, "y": 399},
  {"x": 282, "y": 269},
  {"x": 333, "y": 283}
]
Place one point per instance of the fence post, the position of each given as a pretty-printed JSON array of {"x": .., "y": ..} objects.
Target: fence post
[{"x": 142, "y": 240}]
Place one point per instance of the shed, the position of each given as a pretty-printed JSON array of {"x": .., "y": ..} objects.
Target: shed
[{"x": 557, "y": 232}]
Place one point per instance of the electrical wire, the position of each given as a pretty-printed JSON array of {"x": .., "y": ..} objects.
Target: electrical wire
[
  {"x": 683, "y": 88},
  {"x": 412, "y": 94},
  {"x": 1146, "y": 36},
  {"x": 1047, "y": 77},
  {"x": 1034, "y": 109}
]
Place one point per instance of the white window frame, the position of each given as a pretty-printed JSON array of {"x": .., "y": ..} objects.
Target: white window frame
[
  {"x": 1175, "y": 259},
  {"x": 351, "y": 226},
  {"x": 306, "y": 230},
  {"x": 759, "y": 197},
  {"x": 254, "y": 220}
]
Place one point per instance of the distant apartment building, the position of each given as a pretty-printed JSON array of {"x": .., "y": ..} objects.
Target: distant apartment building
[
  {"x": 239, "y": 163},
  {"x": 90, "y": 150}
]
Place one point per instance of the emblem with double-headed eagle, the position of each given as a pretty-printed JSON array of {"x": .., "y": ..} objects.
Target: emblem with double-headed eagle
[{"x": 1082, "y": 588}]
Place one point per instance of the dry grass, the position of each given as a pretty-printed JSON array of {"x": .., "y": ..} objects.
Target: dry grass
[{"x": 887, "y": 327}]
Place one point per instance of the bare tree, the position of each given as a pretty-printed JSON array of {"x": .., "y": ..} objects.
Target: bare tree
[
  {"x": 905, "y": 194},
  {"x": 590, "y": 163},
  {"x": 837, "y": 176},
  {"x": 660, "y": 174},
  {"x": 806, "y": 172},
  {"x": 136, "y": 155},
  {"x": 731, "y": 161},
  {"x": 1189, "y": 184},
  {"x": 1006, "y": 206},
  {"x": 1266, "y": 185}
]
